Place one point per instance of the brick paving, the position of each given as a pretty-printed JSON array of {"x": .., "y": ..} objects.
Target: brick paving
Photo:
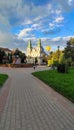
[
  {"x": 3, "y": 96},
  {"x": 30, "y": 106}
]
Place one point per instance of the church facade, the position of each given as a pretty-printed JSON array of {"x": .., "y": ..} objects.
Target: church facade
[{"x": 35, "y": 53}]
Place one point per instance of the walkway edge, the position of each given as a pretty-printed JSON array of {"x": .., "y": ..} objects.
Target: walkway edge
[
  {"x": 67, "y": 104},
  {"x": 4, "y": 94}
]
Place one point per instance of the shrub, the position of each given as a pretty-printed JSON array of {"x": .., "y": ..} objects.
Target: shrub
[{"x": 63, "y": 68}]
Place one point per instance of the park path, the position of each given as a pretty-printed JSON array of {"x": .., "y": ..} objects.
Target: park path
[{"x": 31, "y": 105}]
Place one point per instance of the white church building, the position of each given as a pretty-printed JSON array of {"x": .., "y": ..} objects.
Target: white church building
[{"x": 35, "y": 53}]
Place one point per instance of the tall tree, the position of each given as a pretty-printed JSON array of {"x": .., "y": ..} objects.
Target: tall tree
[{"x": 69, "y": 50}]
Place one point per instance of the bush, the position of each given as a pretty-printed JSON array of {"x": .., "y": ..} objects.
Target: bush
[
  {"x": 63, "y": 68},
  {"x": 55, "y": 63}
]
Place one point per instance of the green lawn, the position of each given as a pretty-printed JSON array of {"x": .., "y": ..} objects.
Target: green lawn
[
  {"x": 63, "y": 83},
  {"x": 3, "y": 78}
]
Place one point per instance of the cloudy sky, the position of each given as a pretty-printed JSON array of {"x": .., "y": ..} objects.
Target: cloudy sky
[{"x": 50, "y": 20}]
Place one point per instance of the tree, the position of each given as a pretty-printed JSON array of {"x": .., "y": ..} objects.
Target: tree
[
  {"x": 10, "y": 57},
  {"x": 22, "y": 56},
  {"x": 44, "y": 58},
  {"x": 17, "y": 52},
  {"x": 62, "y": 59},
  {"x": 69, "y": 51},
  {"x": 2, "y": 54}
]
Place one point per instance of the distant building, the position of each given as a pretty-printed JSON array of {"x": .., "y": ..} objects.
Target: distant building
[
  {"x": 35, "y": 54},
  {"x": 5, "y": 58},
  {"x": 6, "y": 50}
]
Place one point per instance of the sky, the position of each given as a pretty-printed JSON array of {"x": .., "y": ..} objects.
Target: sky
[{"x": 52, "y": 21}]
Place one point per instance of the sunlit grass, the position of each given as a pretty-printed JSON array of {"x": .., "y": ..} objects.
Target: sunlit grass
[
  {"x": 3, "y": 78},
  {"x": 63, "y": 83}
]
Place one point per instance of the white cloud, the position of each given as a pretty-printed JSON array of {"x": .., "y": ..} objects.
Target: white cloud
[
  {"x": 15, "y": 13},
  {"x": 58, "y": 11},
  {"x": 13, "y": 41},
  {"x": 70, "y": 2},
  {"x": 35, "y": 25},
  {"x": 59, "y": 19},
  {"x": 55, "y": 42},
  {"x": 38, "y": 18},
  {"x": 19, "y": 13},
  {"x": 25, "y": 32},
  {"x": 51, "y": 25},
  {"x": 27, "y": 21},
  {"x": 56, "y": 39},
  {"x": 65, "y": 5}
]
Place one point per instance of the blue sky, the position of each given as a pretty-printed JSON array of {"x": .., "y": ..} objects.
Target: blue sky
[{"x": 22, "y": 20}]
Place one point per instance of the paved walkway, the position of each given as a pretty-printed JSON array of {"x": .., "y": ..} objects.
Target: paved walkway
[{"x": 29, "y": 104}]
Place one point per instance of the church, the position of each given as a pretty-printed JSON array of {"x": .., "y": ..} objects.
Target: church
[{"x": 35, "y": 54}]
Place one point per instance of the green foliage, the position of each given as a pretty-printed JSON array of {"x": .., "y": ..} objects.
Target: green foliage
[
  {"x": 17, "y": 52},
  {"x": 56, "y": 57},
  {"x": 69, "y": 51},
  {"x": 63, "y": 64},
  {"x": 63, "y": 83},
  {"x": 62, "y": 59},
  {"x": 3, "y": 78},
  {"x": 2, "y": 54},
  {"x": 20, "y": 54},
  {"x": 44, "y": 58},
  {"x": 55, "y": 62}
]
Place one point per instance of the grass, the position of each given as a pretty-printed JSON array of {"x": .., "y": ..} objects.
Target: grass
[
  {"x": 62, "y": 83},
  {"x": 3, "y": 78}
]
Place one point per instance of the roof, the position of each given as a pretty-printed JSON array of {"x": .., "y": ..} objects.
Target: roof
[{"x": 5, "y": 49}]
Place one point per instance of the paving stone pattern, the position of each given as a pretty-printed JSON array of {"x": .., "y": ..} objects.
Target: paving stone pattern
[{"x": 30, "y": 107}]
